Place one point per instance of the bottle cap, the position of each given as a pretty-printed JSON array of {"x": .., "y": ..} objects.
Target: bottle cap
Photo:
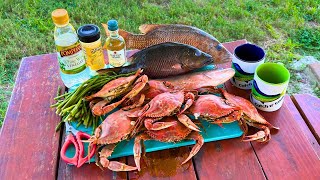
[
  {"x": 88, "y": 33},
  {"x": 60, "y": 16},
  {"x": 112, "y": 25}
]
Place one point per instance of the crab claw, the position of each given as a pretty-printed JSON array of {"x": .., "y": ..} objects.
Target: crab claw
[
  {"x": 261, "y": 136},
  {"x": 190, "y": 99},
  {"x": 185, "y": 120},
  {"x": 113, "y": 165},
  {"x": 150, "y": 124},
  {"x": 100, "y": 109}
]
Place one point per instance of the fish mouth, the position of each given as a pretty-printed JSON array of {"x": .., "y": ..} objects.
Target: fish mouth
[
  {"x": 226, "y": 58},
  {"x": 209, "y": 61}
]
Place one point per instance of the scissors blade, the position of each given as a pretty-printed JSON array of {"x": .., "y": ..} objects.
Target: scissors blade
[{"x": 70, "y": 128}]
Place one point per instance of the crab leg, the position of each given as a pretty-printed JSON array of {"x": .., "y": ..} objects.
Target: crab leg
[
  {"x": 113, "y": 165},
  {"x": 261, "y": 136},
  {"x": 190, "y": 99},
  {"x": 139, "y": 85},
  {"x": 199, "y": 142},
  {"x": 247, "y": 108},
  {"x": 136, "y": 103},
  {"x": 117, "y": 86},
  {"x": 150, "y": 124},
  {"x": 97, "y": 109},
  {"x": 137, "y": 148},
  {"x": 185, "y": 120}
]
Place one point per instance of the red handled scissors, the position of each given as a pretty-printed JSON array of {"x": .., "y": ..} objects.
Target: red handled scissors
[{"x": 75, "y": 137}]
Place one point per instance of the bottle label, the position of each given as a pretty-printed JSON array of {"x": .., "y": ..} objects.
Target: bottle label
[
  {"x": 71, "y": 59},
  {"x": 117, "y": 58},
  {"x": 94, "y": 56}
]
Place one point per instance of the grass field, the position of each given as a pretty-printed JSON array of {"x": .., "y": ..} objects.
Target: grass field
[{"x": 287, "y": 29}]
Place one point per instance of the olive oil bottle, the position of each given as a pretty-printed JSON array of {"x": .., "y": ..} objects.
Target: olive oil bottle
[{"x": 115, "y": 45}]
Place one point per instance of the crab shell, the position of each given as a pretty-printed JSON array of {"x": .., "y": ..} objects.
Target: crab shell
[
  {"x": 115, "y": 87},
  {"x": 211, "y": 108},
  {"x": 250, "y": 112},
  {"x": 173, "y": 133},
  {"x": 116, "y": 127},
  {"x": 164, "y": 104}
]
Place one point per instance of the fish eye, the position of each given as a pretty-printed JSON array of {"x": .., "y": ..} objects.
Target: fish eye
[{"x": 197, "y": 53}]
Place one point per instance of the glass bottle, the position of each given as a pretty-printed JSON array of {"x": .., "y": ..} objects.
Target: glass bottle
[
  {"x": 73, "y": 69},
  {"x": 115, "y": 45}
]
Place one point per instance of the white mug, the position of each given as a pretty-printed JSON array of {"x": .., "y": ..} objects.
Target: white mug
[{"x": 246, "y": 58}]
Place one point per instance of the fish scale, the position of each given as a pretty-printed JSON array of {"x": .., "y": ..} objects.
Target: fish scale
[
  {"x": 165, "y": 59},
  {"x": 160, "y": 33}
]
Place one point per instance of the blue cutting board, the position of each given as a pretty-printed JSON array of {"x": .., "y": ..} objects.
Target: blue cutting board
[{"x": 211, "y": 132}]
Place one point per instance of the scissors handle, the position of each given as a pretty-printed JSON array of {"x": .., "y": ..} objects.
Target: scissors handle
[
  {"x": 70, "y": 140},
  {"x": 84, "y": 136}
]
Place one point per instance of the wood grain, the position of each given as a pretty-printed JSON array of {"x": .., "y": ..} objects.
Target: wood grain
[
  {"x": 165, "y": 164},
  {"x": 29, "y": 144},
  {"x": 309, "y": 108},
  {"x": 292, "y": 105},
  {"x": 289, "y": 154},
  {"x": 228, "y": 159}
]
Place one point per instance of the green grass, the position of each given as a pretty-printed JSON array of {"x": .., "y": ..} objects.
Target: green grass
[{"x": 286, "y": 29}]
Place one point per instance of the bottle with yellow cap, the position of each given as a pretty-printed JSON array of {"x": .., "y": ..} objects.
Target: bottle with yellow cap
[{"x": 73, "y": 69}]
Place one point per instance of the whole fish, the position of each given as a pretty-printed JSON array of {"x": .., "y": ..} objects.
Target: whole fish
[
  {"x": 165, "y": 59},
  {"x": 160, "y": 33}
]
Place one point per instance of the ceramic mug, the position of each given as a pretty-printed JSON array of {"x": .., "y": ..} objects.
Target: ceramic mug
[
  {"x": 246, "y": 58},
  {"x": 269, "y": 86}
]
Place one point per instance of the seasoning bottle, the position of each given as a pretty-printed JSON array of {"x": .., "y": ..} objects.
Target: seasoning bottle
[
  {"x": 89, "y": 36},
  {"x": 73, "y": 70},
  {"x": 115, "y": 45}
]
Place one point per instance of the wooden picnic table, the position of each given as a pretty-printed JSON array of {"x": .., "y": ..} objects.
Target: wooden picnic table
[{"x": 29, "y": 145}]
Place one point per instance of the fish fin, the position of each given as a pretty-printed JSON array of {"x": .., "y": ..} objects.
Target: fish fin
[
  {"x": 105, "y": 27},
  {"x": 177, "y": 66},
  {"x": 145, "y": 28},
  {"x": 125, "y": 34}
]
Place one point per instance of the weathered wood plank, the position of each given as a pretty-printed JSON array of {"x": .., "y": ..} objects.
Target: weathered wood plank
[
  {"x": 289, "y": 154},
  {"x": 87, "y": 171},
  {"x": 309, "y": 108},
  {"x": 228, "y": 159},
  {"x": 164, "y": 164},
  {"x": 29, "y": 144},
  {"x": 303, "y": 125}
]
